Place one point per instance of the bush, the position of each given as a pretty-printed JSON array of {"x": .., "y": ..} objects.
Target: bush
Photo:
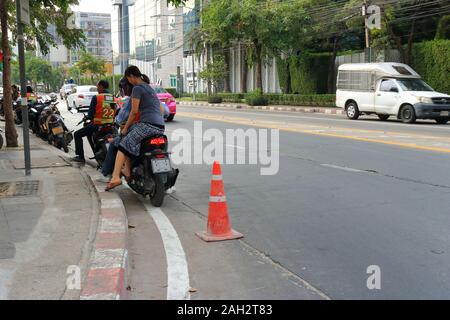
[
  {"x": 173, "y": 92},
  {"x": 231, "y": 97},
  {"x": 256, "y": 98},
  {"x": 214, "y": 99}
]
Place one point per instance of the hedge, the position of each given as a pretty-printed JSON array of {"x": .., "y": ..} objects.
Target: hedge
[
  {"x": 315, "y": 100},
  {"x": 431, "y": 60}
]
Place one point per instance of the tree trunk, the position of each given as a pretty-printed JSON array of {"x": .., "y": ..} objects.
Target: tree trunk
[
  {"x": 226, "y": 85},
  {"x": 259, "y": 84},
  {"x": 10, "y": 128},
  {"x": 332, "y": 66},
  {"x": 244, "y": 71}
]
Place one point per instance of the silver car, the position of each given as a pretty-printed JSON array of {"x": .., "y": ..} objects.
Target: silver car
[{"x": 66, "y": 89}]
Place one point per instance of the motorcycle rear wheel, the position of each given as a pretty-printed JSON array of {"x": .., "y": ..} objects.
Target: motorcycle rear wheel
[{"x": 157, "y": 197}]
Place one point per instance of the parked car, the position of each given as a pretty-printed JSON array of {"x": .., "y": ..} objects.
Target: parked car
[
  {"x": 80, "y": 97},
  {"x": 65, "y": 90},
  {"x": 166, "y": 98},
  {"x": 389, "y": 89}
]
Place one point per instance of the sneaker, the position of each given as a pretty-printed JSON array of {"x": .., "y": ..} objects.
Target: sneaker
[
  {"x": 78, "y": 159},
  {"x": 104, "y": 179}
]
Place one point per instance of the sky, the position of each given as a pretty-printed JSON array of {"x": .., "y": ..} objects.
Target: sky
[{"x": 99, "y": 6}]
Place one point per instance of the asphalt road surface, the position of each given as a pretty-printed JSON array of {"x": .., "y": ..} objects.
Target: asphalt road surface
[{"x": 348, "y": 195}]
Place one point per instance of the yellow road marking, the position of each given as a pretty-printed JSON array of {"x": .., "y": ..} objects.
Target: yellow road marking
[{"x": 279, "y": 126}]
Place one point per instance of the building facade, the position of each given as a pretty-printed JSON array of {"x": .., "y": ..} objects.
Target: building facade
[
  {"x": 97, "y": 29},
  {"x": 154, "y": 38},
  {"x": 58, "y": 55}
]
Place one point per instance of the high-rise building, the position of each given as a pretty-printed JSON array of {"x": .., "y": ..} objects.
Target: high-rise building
[
  {"x": 155, "y": 35},
  {"x": 58, "y": 55},
  {"x": 97, "y": 29}
]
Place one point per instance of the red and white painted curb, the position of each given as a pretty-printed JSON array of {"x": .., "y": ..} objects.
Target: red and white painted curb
[
  {"x": 335, "y": 111},
  {"x": 107, "y": 273}
]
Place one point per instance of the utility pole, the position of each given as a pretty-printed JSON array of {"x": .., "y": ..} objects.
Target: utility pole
[
  {"x": 193, "y": 72},
  {"x": 23, "y": 4},
  {"x": 367, "y": 31}
]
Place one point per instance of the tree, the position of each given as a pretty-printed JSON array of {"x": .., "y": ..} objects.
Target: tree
[
  {"x": 89, "y": 64},
  {"x": 220, "y": 27},
  {"x": 10, "y": 129},
  {"x": 42, "y": 14},
  {"x": 215, "y": 72}
]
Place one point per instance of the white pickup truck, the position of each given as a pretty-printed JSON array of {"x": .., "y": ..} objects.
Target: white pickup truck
[{"x": 389, "y": 89}]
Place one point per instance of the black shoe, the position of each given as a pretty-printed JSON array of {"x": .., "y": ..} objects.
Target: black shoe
[{"x": 78, "y": 159}]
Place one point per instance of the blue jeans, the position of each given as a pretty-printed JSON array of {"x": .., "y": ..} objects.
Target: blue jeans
[{"x": 110, "y": 161}]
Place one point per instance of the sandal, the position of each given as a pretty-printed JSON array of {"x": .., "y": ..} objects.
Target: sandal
[
  {"x": 111, "y": 185},
  {"x": 127, "y": 178}
]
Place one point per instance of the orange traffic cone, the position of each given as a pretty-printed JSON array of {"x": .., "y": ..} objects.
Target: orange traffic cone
[{"x": 219, "y": 223}]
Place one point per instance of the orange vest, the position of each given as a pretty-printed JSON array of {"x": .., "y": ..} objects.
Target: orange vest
[
  {"x": 105, "y": 109},
  {"x": 31, "y": 97}
]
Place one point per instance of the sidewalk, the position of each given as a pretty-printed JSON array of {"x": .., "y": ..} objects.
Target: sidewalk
[
  {"x": 48, "y": 222},
  {"x": 324, "y": 110}
]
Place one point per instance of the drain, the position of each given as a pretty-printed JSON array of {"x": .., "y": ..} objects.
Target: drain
[{"x": 19, "y": 189}]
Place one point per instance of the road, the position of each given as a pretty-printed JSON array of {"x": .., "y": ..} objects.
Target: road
[{"x": 348, "y": 195}]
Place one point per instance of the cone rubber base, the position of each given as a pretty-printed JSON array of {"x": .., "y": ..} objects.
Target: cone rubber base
[{"x": 233, "y": 235}]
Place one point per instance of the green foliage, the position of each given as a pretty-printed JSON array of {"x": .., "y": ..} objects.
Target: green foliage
[
  {"x": 215, "y": 71},
  {"x": 44, "y": 13},
  {"x": 173, "y": 92},
  {"x": 309, "y": 73},
  {"x": 431, "y": 60},
  {"x": 284, "y": 75},
  {"x": 443, "y": 29},
  {"x": 214, "y": 99},
  {"x": 316, "y": 100},
  {"x": 89, "y": 64},
  {"x": 256, "y": 98}
]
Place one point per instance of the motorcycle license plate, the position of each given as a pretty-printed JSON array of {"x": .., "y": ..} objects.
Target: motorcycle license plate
[
  {"x": 58, "y": 130},
  {"x": 161, "y": 165}
]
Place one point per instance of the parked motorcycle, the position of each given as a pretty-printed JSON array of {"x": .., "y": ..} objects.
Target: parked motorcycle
[
  {"x": 152, "y": 173},
  {"x": 58, "y": 135}
]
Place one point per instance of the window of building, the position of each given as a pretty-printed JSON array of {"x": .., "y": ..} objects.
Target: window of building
[
  {"x": 158, "y": 7},
  {"x": 158, "y": 43},
  {"x": 159, "y": 63},
  {"x": 173, "y": 80},
  {"x": 172, "y": 40},
  {"x": 171, "y": 21},
  {"x": 158, "y": 25}
]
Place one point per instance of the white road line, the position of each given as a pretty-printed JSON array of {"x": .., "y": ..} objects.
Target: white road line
[
  {"x": 177, "y": 267},
  {"x": 340, "y": 168}
]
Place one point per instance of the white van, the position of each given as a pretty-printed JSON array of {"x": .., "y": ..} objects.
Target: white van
[{"x": 389, "y": 89}]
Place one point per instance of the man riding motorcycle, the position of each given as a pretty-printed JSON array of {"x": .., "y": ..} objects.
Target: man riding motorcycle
[{"x": 101, "y": 112}]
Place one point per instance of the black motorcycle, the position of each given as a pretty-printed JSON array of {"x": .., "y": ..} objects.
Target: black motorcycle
[
  {"x": 58, "y": 135},
  {"x": 152, "y": 173},
  {"x": 99, "y": 140}
]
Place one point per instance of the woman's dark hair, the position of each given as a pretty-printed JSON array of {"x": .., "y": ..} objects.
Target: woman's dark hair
[
  {"x": 29, "y": 89},
  {"x": 134, "y": 71},
  {"x": 126, "y": 87}
]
